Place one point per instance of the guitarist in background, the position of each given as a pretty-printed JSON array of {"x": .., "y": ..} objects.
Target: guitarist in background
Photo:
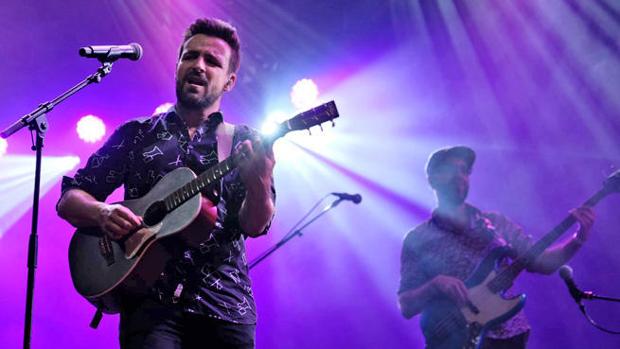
[
  {"x": 203, "y": 298},
  {"x": 442, "y": 252}
]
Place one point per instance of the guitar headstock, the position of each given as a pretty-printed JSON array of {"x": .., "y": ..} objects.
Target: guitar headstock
[
  {"x": 612, "y": 183},
  {"x": 304, "y": 121}
]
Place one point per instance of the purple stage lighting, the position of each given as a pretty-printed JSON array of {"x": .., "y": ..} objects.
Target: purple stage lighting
[
  {"x": 90, "y": 129},
  {"x": 304, "y": 94}
]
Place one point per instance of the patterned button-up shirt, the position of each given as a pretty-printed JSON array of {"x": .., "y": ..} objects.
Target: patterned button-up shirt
[
  {"x": 438, "y": 247},
  {"x": 212, "y": 279}
]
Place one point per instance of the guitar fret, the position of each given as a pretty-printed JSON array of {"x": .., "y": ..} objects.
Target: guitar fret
[{"x": 505, "y": 278}]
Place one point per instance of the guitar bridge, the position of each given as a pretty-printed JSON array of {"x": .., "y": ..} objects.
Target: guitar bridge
[{"x": 105, "y": 247}]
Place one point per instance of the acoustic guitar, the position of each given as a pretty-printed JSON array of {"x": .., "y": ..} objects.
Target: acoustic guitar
[{"x": 105, "y": 270}]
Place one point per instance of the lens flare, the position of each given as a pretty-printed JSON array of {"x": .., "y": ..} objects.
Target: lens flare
[{"x": 90, "y": 129}]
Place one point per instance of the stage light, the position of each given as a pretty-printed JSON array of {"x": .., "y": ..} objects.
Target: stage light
[
  {"x": 304, "y": 94},
  {"x": 271, "y": 122},
  {"x": 90, "y": 129},
  {"x": 162, "y": 108},
  {"x": 3, "y": 146}
]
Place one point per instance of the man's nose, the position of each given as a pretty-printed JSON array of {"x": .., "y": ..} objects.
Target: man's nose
[{"x": 199, "y": 65}]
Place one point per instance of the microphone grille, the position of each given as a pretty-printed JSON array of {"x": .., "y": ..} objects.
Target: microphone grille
[
  {"x": 357, "y": 198},
  {"x": 84, "y": 51},
  {"x": 566, "y": 272}
]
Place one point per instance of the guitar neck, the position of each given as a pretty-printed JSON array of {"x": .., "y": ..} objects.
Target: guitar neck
[
  {"x": 507, "y": 276},
  {"x": 198, "y": 184},
  {"x": 313, "y": 117}
]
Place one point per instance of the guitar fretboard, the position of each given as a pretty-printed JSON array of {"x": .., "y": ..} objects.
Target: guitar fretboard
[
  {"x": 205, "y": 179},
  {"x": 506, "y": 277}
]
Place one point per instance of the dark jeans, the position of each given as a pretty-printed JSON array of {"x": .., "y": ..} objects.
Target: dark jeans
[
  {"x": 154, "y": 326},
  {"x": 516, "y": 342}
]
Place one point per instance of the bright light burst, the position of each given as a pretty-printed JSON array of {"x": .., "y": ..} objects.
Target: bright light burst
[
  {"x": 304, "y": 94},
  {"x": 90, "y": 129},
  {"x": 271, "y": 122}
]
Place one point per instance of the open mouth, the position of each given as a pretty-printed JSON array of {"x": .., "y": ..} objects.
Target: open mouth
[{"x": 196, "y": 80}]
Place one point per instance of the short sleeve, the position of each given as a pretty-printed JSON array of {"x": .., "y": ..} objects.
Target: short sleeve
[
  {"x": 412, "y": 274},
  {"x": 512, "y": 233},
  {"x": 106, "y": 169}
]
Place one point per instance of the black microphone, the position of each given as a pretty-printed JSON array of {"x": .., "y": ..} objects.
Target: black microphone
[
  {"x": 356, "y": 198},
  {"x": 566, "y": 273},
  {"x": 110, "y": 53}
]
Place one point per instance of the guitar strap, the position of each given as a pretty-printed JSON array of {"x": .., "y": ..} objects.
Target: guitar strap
[{"x": 224, "y": 134}]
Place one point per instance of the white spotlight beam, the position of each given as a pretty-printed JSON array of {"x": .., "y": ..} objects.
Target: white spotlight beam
[{"x": 17, "y": 183}]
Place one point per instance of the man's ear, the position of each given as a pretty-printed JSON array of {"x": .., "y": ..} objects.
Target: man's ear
[{"x": 232, "y": 79}]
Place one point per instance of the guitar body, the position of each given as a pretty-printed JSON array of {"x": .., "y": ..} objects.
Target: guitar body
[
  {"x": 467, "y": 326},
  {"x": 137, "y": 262}
]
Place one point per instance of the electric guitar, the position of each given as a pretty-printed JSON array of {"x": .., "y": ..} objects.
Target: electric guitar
[
  {"x": 105, "y": 270},
  {"x": 447, "y": 327}
]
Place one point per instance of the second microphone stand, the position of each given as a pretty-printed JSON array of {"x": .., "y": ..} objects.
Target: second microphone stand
[
  {"x": 591, "y": 296},
  {"x": 296, "y": 232}
]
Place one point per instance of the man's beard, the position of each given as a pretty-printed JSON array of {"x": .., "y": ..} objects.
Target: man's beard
[{"x": 194, "y": 103}]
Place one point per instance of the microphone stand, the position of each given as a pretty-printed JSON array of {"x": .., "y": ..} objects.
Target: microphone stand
[
  {"x": 36, "y": 122},
  {"x": 591, "y": 296},
  {"x": 292, "y": 233}
]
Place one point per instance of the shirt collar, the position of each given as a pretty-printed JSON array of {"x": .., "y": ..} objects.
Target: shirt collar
[
  {"x": 210, "y": 124},
  {"x": 474, "y": 216}
]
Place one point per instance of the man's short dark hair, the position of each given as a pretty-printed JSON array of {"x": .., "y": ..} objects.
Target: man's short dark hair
[{"x": 219, "y": 29}]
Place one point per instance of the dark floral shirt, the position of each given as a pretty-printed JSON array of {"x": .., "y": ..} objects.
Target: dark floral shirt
[
  {"x": 436, "y": 247},
  {"x": 213, "y": 278}
]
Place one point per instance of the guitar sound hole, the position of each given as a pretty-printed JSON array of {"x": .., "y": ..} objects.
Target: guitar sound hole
[{"x": 155, "y": 213}]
